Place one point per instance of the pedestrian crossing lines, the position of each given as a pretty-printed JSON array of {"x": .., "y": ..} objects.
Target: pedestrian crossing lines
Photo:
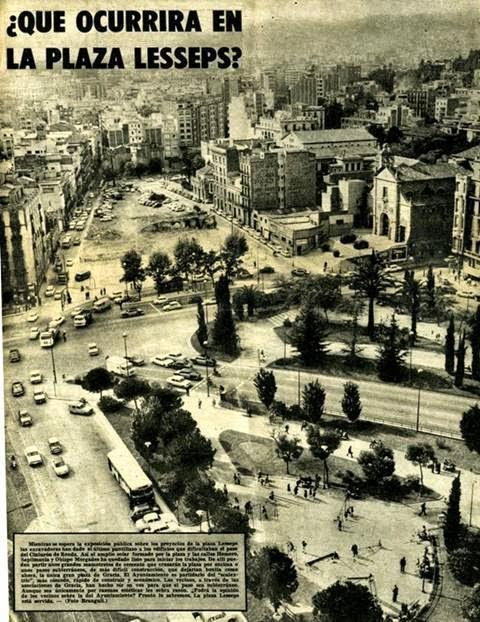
[{"x": 278, "y": 320}]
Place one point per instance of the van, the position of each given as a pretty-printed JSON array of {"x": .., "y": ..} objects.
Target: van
[
  {"x": 83, "y": 276},
  {"x": 103, "y": 304}
]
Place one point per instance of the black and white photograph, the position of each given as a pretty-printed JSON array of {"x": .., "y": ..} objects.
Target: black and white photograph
[{"x": 240, "y": 283}]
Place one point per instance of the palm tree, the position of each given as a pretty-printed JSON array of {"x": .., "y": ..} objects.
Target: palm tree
[
  {"x": 369, "y": 279},
  {"x": 249, "y": 297}
]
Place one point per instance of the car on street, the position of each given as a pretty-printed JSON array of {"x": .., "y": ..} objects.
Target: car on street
[
  {"x": 32, "y": 317},
  {"x": 300, "y": 272},
  {"x": 136, "y": 360},
  {"x": 189, "y": 374},
  {"x": 83, "y": 275},
  {"x": 33, "y": 456},
  {"x": 69, "y": 262},
  {"x": 14, "y": 355},
  {"x": 180, "y": 363},
  {"x": 76, "y": 241},
  {"x": 152, "y": 523},
  {"x": 36, "y": 377},
  {"x": 243, "y": 273},
  {"x": 139, "y": 511},
  {"x": 57, "y": 321},
  {"x": 175, "y": 355},
  {"x": 205, "y": 361},
  {"x": 172, "y": 306},
  {"x": 60, "y": 467},
  {"x": 55, "y": 445},
  {"x": 24, "y": 418},
  {"x": 58, "y": 294},
  {"x": 39, "y": 396},
  {"x": 93, "y": 349},
  {"x": 80, "y": 407},
  {"x": 160, "y": 300},
  {"x": 162, "y": 361},
  {"x": 17, "y": 389},
  {"x": 267, "y": 270},
  {"x": 179, "y": 382},
  {"x": 132, "y": 312},
  {"x": 34, "y": 333},
  {"x": 49, "y": 291}
]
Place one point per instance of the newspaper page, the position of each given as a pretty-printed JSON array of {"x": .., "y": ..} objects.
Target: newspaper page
[{"x": 240, "y": 263}]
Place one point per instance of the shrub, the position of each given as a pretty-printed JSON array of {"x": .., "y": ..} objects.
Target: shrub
[
  {"x": 464, "y": 565},
  {"x": 390, "y": 487},
  {"x": 411, "y": 483},
  {"x": 295, "y": 412},
  {"x": 109, "y": 404},
  {"x": 336, "y": 253},
  {"x": 351, "y": 480},
  {"x": 325, "y": 247},
  {"x": 360, "y": 244},
  {"x": 348, "y": 238},
  {"x": 287, "y": 323},
  {"x": 442, "y": 444},
  {"x": 267, "y": 270}
]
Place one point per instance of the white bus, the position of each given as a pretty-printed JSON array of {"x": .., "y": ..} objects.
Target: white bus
[
  {"x": 49, "y": 337},
  {"x": 133, "y": 481}
]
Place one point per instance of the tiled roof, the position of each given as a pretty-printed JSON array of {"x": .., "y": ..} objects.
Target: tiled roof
[{"x": 328, "y": 136}]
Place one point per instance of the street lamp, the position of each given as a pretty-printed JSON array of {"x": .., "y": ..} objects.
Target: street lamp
[
  {"x": 418, "y": 402},
  {"x": 298, "y": 386},
  {"x": 54, "y": 372},
  {"x": 412, "y": 337},
  {"x": 205, "y": 345},
  {"x": 125, "y": 335}
]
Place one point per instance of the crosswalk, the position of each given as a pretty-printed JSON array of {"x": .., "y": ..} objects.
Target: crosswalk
[{"x": 279, "y": 318}]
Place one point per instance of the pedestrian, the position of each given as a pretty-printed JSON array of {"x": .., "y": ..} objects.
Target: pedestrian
[
  {"x": 354, "y": 550},
  {"x": 287, "y": 427},
  {"x": 237, "y": 502},
  {"x": 264, "y": 512},
  {"x": 271, "y": 496},
  {"x": 403, "y": 564},
  {"x": 305, "y": 493},
  {"x": 423, "y": 509},
  {"x": 289, "y": 488},
  {"x": 259, "y": 476},
  {"x": 346, "y": 513},
  {"x": 350, "y": 452},
  {"x": 214, "y": 402},
  {"x": 225, "y": 489},
  {"x": 199, "y": 404},
  {"x": 395, "y": 593},
  {"x": 350, "y": 511},
  {"x": 304, "y": 546},
  {"x": 339, "y": 524},
  {"x": 295, "y": 491},
  {"x": 64, "y": 336},
  {"x": 187, "y": 391},
  {"x": 314, "y": 494}
]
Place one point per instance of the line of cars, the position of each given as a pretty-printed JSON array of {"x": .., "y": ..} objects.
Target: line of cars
[
  {"x": 34, "y": 457},
  {"x": 185, "y": 374}
]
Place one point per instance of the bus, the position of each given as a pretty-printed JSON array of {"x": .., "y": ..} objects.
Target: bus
[
  {"x": 48, "y": 337},
  {"x": 133, "y": 481}
]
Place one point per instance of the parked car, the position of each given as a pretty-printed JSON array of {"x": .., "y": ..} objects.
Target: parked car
[
  {"x": 161, "y": 300},
  {"x": 14, "y": 355},
  {"x": 69, "y": 262},
  {"x": 57, "y": 321},
  {"x": 162, "y": 361},
  {"x": 32, "y": 317},
  {"x": 243, "y": 273},
  {"x": 39, "y": 397},
  {"x": 80, "y": 407},
  {"x": 58, "y": 293},
  {"x": 171, "y": 306},
  {"x": 49, "y": 291},
  {"x": 136, "y": 360},
  {"x": 139, "y": 511},
  {"x": 17, "y": 389},
  {"x": 36, "y": 377},
  {"x": 300, "y": 272},
  {"x": 152, "y": 523},
  {"x": 34, "y": 333},
  {"x": 83, "y": 275},
  {"x": 55, "y": 445},
  {"x": 60, "y": 467},
  {"x": 205, "y": 361},
  {"x": 132, "y": 312},
  {"x": 33, "y": 456},
  {"x": 76, "y": 240},
  {"x": 93, "y": 349},
  {"x": 24, "y": 418},
  {"x": 189, "y": 374},
  {"x": 179, "y": 382}
]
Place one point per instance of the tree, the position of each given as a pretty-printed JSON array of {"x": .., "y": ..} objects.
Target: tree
[
  {"x": 471, "y": 605},
  {"x": 345, "y": 601},
  {"x": 133, "y": 272},
  {"x": 288, "y": 449},
  {"x": 189, "y": 453},
  {"x": 266, "y": 386},
  {"x": 210, "y": 264},
  {"x": 202, "y": 330},
  {"x": 474, "y": 338},
  {"x": 249, "y": 296},
  {"x": 351, "y": 404},
  {"x": 224, "y": 332},
  {"x": 159, "y": 266},
  {"x": 470, "y": 428},
  {"x": 460, "y": 370},
  {"x": 202, "y": 494},
  {"x": 450, "y": 347},
  {"x": 390, "y": 361},
  {"x": 271, "y": 574},
  {"x": 192, "y": 161},
  {"x": 430, "y": 290},
  {"x": 144, "y": 434},
  {"x": 132, "y": 388},
  {"x": 322, "y": 446},
  {"x": 188, "y": 257},
  {"x": 377, "y": 463},
  {"x": 313, "y": 401},
  {"x": 411, "y": 292},
  {"x": 464, "y": 564},
  {"x": 323, "y": 291},
  {"x": 233, "y": 249},
  {"x": 308, "y": 336},
  {"x": 451, "y": 527},
  {"x": 97, "y": 380},
  {"x": 421, "y": 454},
  {"x": 226, "y": 519},
  {"x": 370, "y": 280}
]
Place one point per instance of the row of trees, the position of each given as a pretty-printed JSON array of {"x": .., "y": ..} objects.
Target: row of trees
[{"x": 189, "y": 260}]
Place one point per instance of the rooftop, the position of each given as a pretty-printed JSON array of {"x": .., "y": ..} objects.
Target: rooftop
[
  {"x": 329, "y": 136},
  {"x": 421, "y": 171}
]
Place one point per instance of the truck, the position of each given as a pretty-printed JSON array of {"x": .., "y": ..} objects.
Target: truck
[{"x": 120, "y": 366}]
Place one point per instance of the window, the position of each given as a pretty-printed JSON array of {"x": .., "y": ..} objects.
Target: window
[{"x": 385, "y": 193}]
